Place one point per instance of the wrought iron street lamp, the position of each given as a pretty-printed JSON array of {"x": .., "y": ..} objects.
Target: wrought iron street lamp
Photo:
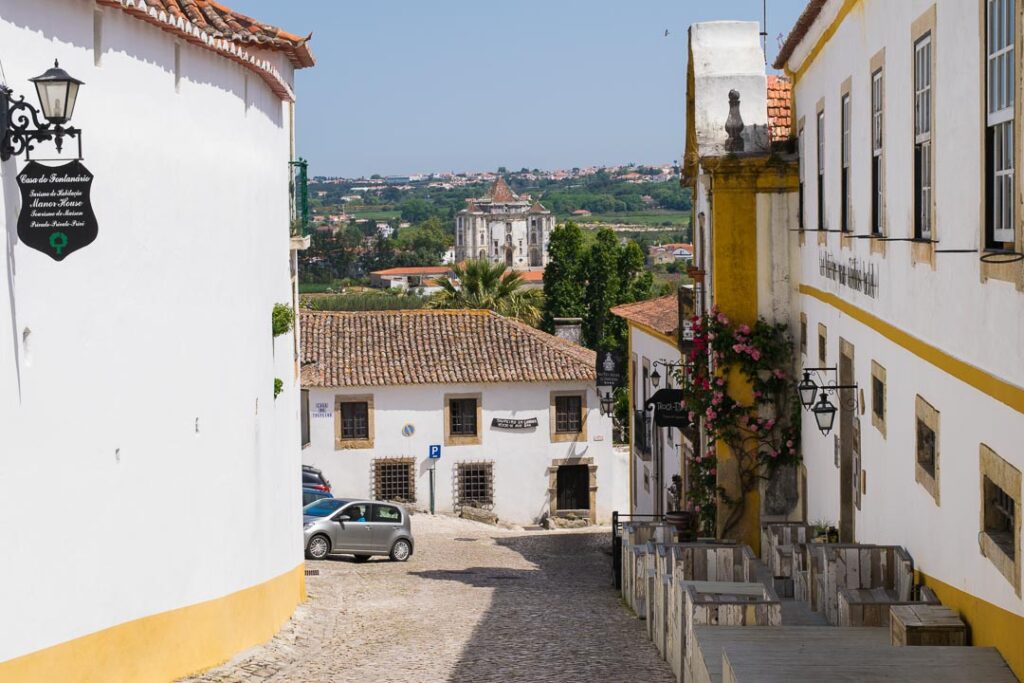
[
  {"x": 807, "y": 389},
  {"x": 607, "y": 402},
  {"x": 20, "y": 125},
  {"x": 824, "y": 411},
  {"x": 824, "y": 414},
  {"x": 668, "y": 365}
]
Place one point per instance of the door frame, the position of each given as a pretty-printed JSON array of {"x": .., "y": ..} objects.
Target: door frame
[
  {"x": 553, "y": 484},
  {"x": 847, "y": 414}
]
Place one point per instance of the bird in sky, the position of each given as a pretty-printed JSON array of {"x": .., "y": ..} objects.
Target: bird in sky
[{"x": 666, "y": 33}]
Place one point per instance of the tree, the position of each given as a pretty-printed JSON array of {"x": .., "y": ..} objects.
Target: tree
[
  {"x": 415, "y": 210},
  {"x": 603, "y": 285},
  {"x": 479, "y": 284},
  {"x": 564, "y": 284},
  {"x": 423, "y": 244}
]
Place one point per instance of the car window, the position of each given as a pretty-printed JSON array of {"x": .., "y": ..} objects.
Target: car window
[
  {"x": 322, "y": 508},
  {"x": 360, "y": 512},
  {"x": 310, "y": 478},
  {"x": 386, "y": 513}
]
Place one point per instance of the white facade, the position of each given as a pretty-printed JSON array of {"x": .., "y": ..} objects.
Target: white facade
[
  {"x": 654, "y": 466},
  {"x": 145, "y": 464},
  {"x": 504, "y": 228},
  {"x": 521, "y": 459}
]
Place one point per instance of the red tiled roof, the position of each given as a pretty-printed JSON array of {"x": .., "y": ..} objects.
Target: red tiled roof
[
  {"x": 532, "y": 275},
  {"x": 538, "y": 208},
  {"x": 779, "y": 101},
  {"x": 661, "y": 314},
  {"x": 800, "y": 28},
  {"x": 211, "y": 25},
  {"x": 414, "y": 270},
  {"x": 389, "y": 348},
  {"x": 501, "y": 192}
]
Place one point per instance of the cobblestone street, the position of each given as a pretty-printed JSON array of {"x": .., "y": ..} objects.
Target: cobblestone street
[{"x": 474, "y": 604}]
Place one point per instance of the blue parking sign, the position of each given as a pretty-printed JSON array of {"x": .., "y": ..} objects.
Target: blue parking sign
[{"x": 435, "y": 452}]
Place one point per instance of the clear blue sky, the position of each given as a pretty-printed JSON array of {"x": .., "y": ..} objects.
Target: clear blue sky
[{"x": 404, "y": 86}]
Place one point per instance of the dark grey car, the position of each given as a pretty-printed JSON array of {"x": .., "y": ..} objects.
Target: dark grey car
[{"x": 357, "y": 527}]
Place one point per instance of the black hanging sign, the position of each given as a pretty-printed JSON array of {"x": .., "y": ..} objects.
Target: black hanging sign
[
  {"x": 669, "y": 410},
  {"x": 56, "y": 211},
  {"x": 512, "y": 423},
  {"x": 609, "y": 369}
]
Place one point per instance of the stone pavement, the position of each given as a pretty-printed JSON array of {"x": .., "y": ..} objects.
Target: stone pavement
[{"x": 474, "y": 604}]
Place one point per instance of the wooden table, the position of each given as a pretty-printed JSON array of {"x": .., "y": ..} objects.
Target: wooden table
[{"x": 926, "y": 625}]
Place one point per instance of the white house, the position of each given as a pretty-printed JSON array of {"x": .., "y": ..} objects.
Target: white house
[
  {"x": 656, "y": 453},
  {"x": 504, "y": 227},
  {"x": 513, "y": 410},
  {"x": 149, "y": 477}
]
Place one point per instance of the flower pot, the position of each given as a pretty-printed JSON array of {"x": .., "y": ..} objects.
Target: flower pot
[{"x": 685, "y": 523}]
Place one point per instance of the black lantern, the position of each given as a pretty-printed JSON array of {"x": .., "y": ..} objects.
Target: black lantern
[
  {"x": 824, "y": 414},
  {"x": 807, "y": 390},
  {"x": 58, "y": 91},
  {"x": 607, "y": 402},
  {"x": 655, "y": 378}
]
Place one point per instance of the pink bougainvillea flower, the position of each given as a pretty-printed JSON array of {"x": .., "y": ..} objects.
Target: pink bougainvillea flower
[
  {"x": 789, "y": 444},
  {"x": 755, "y": 354},
  {"x": 744, "y": 329},
  {"x": 723, "y": 319},
  {"x": 720, "y": 381}
]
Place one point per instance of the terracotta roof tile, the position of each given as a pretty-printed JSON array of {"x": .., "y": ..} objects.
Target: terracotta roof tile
[
  {"x": 501, "y": 192},
  {"x": 215, "y": 27},
  {"x": 800, "y": 28},
  {"x": 388, "y": 348},
  {"x": 532, "y": 275},
  {"x": 414, "y": 270},
  {"x": 538, "y": 208},
  {"x": 661, "y": 314},
  {"x": 779, "y": 106}
]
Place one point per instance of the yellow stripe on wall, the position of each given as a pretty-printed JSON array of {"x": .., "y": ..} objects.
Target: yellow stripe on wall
[
  {"x": 169, "y": 645},
  {"x": 1010, "y": 394},
  {"x": 987, "y": 624}
]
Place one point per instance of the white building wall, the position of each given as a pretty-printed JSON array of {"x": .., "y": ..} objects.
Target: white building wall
[
  {"x": 521, "y": 457},
  {"x": 144, "y": 462},
  {"x": 647, "y": 347},
  {"x": 948, "y": 307}
]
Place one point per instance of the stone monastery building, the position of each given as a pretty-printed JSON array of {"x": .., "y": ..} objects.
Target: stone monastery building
[{"x": 504, "y": 227}]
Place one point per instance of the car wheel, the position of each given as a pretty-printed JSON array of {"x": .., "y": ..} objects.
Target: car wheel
[
  {"x": 318, "y": 548},
  {"x": 401, "y": 550},
  {"x": 362, "y": 558}
]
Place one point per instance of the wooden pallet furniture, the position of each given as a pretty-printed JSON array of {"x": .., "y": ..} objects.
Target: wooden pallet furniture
[
  {"x": 926, "y": 624},
  {"x": 837, "y": 566}
]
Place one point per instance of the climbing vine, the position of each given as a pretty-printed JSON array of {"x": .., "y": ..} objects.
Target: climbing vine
[{"x": 761, "y": 430}]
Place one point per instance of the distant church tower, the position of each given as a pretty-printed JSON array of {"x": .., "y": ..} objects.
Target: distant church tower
[{"x": 504, "y": 227}]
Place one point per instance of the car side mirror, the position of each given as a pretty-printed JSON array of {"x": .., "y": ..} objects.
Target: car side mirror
[{"x": 342, "y": 518}]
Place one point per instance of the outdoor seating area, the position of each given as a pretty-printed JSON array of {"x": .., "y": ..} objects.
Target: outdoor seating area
[{"x": 714, "y": 611}]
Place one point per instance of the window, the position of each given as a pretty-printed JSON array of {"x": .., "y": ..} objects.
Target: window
[
  {"x": 803, "y": 333},
  {"x": 822, "y": 344},
  {"x": 387, "y": 513},
  {"x": 474, "y": 485},
  {"x": 394, "y": 479},
  {"x": 1000, "y": 536},
  {"x": 923, "y": 137},
  {"x": 801, "y": 163},
  {"x": 359, "y": 512},
  {"x": 844, "y": 178},
  {"x": 568, "y": 414},
  {"x": 304, "y": 410},
  {"x": 927, "y": 467},
  {"x": 821, "y": 170},
  {"x": 999, "y": 142},
  {"x": 353, "y": 422},
  {"x": 878, "y": 398},
  {"x": 463, "y": 416},
  {"x": 876, "y": 153}
]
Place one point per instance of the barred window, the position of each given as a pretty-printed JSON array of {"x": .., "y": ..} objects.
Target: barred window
[
  {"x": 474, "y": 485},
  {"x": 394, "y": 479},
  {"x": 926, "y": 447},
  {"x": 355, "y": 420},
  {"x": 463, "y": 416},
  {"x": 1000, "y": 517},
  {"x": 568, "y": 414}
]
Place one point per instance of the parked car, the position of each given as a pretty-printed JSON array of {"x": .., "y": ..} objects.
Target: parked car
[
  {"x": 357, "y": 527},
  {"x": 312, "y": 495},
  {"x": 312, "y": 478}
]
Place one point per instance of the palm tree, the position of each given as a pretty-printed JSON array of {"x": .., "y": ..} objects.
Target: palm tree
[{"x": 481, "y": 285}]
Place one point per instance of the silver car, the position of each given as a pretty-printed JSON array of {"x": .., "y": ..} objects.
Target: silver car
[{"x": 357, "y": 527}]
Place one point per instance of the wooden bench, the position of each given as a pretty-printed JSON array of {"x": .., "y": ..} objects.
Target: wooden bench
[
  {"x": 921, "y": 624},
  {"x": 857, "y": 566},
  {"x": 870, "y": 606}
]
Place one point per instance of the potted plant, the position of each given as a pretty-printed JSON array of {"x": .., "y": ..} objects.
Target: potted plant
[{"x": 684, "y": 521}]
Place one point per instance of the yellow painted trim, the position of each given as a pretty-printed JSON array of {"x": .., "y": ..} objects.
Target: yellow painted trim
[
  {"x": 646, "y": 329},
  {"x": 988, "y": 625},
  {"x": 826, "y": 35},
  {"x": 166, "y": 646},
  {"x": 1004, "y": 392}
]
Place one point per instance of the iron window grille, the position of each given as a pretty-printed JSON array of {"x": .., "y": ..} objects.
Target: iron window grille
[
  {"x": 355, "y": 422},
  {"x": 394, "y": 479},
  {"x": 926, "y": 448},
  {"x": 642, "y": 434},
  {"x": 878, "y": 398},
  {"x": 568, "y": 414},
  {"x": 923, "y": 137},
  {"x": 474, "y": 485},
  {"x": 999, "y": 142},
  {"x": 463, "y": 416},
  {"x": 1000, "y": 517}
]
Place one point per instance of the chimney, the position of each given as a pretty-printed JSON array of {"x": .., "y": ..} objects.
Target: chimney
[{"x": 570, "y": 329}]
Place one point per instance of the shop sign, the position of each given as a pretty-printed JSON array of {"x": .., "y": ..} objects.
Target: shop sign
[
  {"x": 512, "y": 423},
  {"x": 56, "y": 210},
  {"x": 609, "y": 369},
  {"x": 669, "y": 410}
]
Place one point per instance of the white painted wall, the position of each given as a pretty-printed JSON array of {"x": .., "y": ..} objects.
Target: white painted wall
[
  {"x": 948, "y": 307},
  {"x": 521, "y": 457},
  {"x": 144, "y": 462},
  {"x": 646, "y": 346}
]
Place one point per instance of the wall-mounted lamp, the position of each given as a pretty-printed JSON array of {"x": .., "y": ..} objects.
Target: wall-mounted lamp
[
  {"x": 668, "y": 365},
  {"x": 20, "y": 126},
  {"x": 824, "y": 411},
  {"x": 607, "y": 401}
]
